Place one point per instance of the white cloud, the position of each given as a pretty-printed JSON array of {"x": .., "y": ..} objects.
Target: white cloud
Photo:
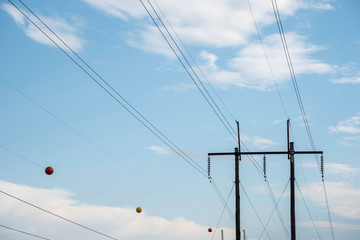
[
  {"x": 351, "y": 125},
  {"x": 177, "y": 88},
  {"x": 122, "y": 9},
  {"x": 250, "y": 68},
  {"x": 254, "y": 67},
  {"x": 324, "y": 226},
  {"x": 119, "y": 222},
  {"x": 14, "y": 13},
  {"x": 343, "y": 198},
  {"x": 65, "y": 30},
  {"x": 161, "y": 150},
  {"x": 259, "y": 142},
  {"x": 225, "y": 23},
  {"x": 344, "y": 80},
  {"x": 150, "y": 40},
  {"x": 337, "y": 169}
]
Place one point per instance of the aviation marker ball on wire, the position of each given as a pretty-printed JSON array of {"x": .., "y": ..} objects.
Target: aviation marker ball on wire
[
  {"x": 138, "y": 210},
  {"x": 49, "y": 170}
]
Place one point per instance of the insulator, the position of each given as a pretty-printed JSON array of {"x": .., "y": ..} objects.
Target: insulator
[
  {"x": 264, "y": 167},
  {"x": 209, "y": 163},
  {"x": 322, "y": 166}
]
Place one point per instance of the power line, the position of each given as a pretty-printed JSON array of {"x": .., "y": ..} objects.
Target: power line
[
  {"x": 129, "y": 108},
  {"x": 17, "y": 230},
  {"x": 254, "y": 209},
  {"x": 186, "y": 69},
  {"x": 307, "y": 209},
  {"x": 213, "y": 184},
  {"x": 193, "y": 60},
  {"x": 276, "y": 208},
  {"x": 155, "y": 131},
  {"x": 227, "y": 200},
  {"x": 92, "y": 143},
  {"x": 267, "y": 58},
  {"x": 299, "y": 99},
  {"x": 58, "y": 216}
]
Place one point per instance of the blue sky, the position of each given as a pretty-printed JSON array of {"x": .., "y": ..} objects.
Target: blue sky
[{"x": 107, "y": 163}]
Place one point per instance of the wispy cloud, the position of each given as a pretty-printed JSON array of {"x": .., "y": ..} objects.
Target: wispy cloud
[
  {"x": 337, "y": 169},
  {"x": 224, "y": 24},
  {"x": 161, "y": 150},
  {"x": 177, "y": 88},
  {"x": 344, "y": 80},
  {"x": 259, "y": 142},
  {"x": 351, "y": 126},
  {"x": 343, "y": 198},
  {"x": 207, "y": 23},
  {"x": 119, "y": 222},
  {"x": 240, "y": 70},
  {"x": 346, "y": 74},
  {"x": 67, "y": 31},
  {"x": 324, "y": 226}
]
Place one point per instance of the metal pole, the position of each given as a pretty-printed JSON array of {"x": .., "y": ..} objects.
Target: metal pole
[
  {"x": 288, "y": 137},
  {"x": 292, "y": 191},
  {"x": 222, "y": 234},
  {"x": 237, "y": 193}
]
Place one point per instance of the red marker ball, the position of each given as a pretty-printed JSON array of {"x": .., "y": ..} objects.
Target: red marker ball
[
  {"x": 49, "y": 170},
  {"x": 210, "y": 230}
]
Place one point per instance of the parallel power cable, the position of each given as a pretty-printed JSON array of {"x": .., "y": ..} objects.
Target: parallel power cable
[
  {"x": 217, "y": 225},
  {"x": 276, "y": 206},
  {"x": 186, "y": 69},
  {"x": 254, "y": 209},
  {"x": 307, "y": 209},
  {"x": 186, "y": 157},
  {"x": 58, "y": 216},
  {"x": 307, "y": 188},
  {"x": 251, "y": 157},
  {"x": 95, "y": 145},
  {"x": 253, "y": 160},
  {"x": 17, "y": 230},
  {"x": 292, "y": 74},
  {"x": 222, "y": 199},
  {"x": 144, "y": 121},
  {"x": 197, "y": 66},
  {"x": 267, "y": 58},
  {"x": 183, "y": 45},
  {"x": 302, "y": 109}
]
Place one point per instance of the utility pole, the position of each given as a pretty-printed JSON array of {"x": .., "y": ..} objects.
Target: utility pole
[
  {"x": 237, "y": 155},
  {"x": 291, "y": 156}
]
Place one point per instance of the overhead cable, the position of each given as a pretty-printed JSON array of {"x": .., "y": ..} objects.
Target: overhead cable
[
  {"x": 299, "y": 99},
  {"x": 27, "y": 233},
  {"x": 254, "y": 209},
  {"x": 58, "y": 216},
  {"x": 197, "y": 66},
  {"x": 207, "y": 96},
  {"x": 267, "y": 59},
  {"x": 227, "y": 200},
  {"x": 307, "y": 209},
  {"x": 113, "y": 93},
  {"x": 276, "y": 208},
  {"x": 67, "y": 125}
]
